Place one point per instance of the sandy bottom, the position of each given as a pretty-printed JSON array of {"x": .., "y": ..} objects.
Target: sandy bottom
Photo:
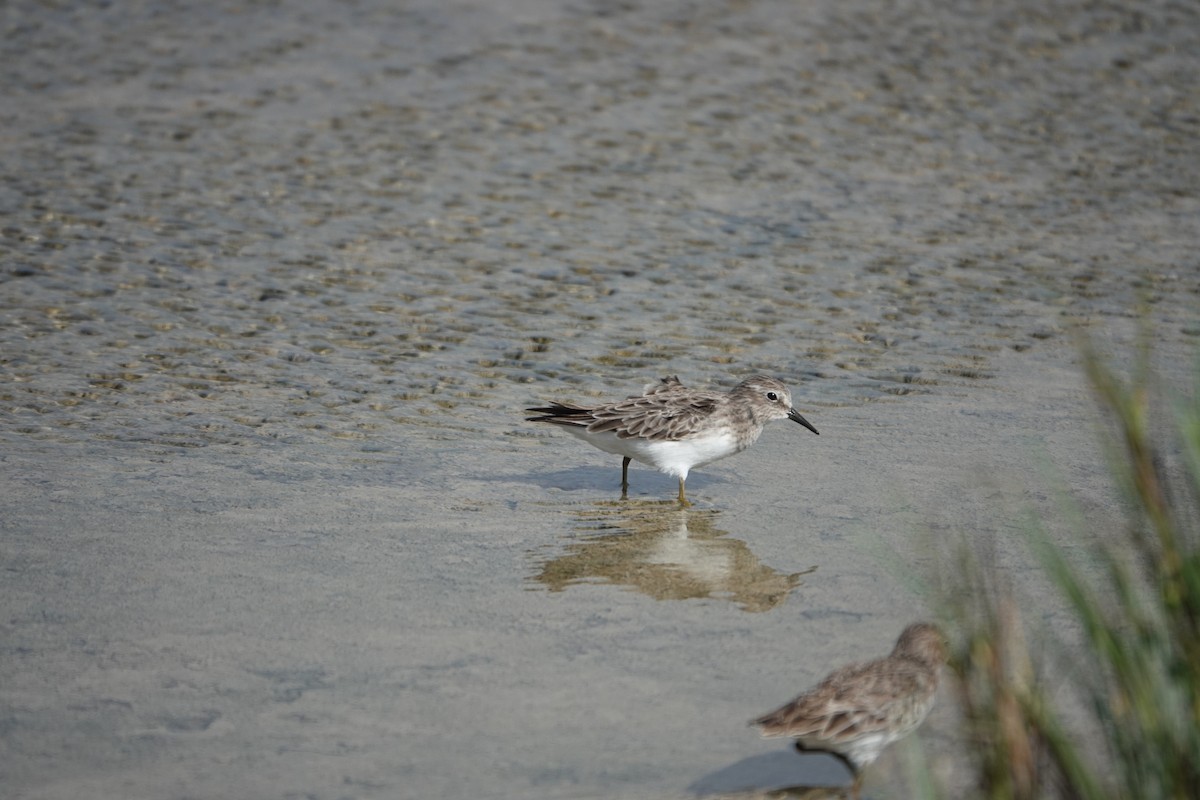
[
  {"x": 277, "y": 280},
  {"x": 483, "y": 618}
]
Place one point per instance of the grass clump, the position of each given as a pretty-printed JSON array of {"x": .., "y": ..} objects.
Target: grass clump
[{"x": 1135, "y": 597}]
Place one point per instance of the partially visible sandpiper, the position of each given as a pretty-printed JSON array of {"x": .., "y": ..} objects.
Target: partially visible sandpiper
[
  {"x": 674, "y": 428},
  {"x": 860, "y": 709}
]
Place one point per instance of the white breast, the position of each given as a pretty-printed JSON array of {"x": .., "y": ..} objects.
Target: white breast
[{"x": 673, "y": 458}]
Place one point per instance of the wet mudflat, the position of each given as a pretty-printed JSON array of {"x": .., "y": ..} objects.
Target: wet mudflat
[{"x": 276, "y": 282}]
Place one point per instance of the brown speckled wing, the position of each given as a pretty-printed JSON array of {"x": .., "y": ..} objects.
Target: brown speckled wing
[
  {"x": 668, "y": 384},
  {"x": 855, "y": 700},
  {"x": 667, "y": 413},
  {"x": 577, "y": 416}
]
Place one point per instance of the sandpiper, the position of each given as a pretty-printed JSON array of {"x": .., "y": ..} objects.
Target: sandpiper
[
  {"x": 860, "y": 709},
  {"x": 674, "y": 428}
]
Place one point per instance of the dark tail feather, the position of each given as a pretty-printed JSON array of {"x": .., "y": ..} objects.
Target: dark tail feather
[{"x": 558, "y": 412}]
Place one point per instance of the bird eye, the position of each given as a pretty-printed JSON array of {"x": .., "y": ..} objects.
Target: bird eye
[{"x": 772, "y": 396}]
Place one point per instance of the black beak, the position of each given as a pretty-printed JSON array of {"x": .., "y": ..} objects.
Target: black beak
[{"x": 794, "y": 416}]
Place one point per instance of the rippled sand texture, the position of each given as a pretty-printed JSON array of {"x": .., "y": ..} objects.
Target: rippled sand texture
[
  {"x": 277, "y": 281},
  {"x": 229, "y": 224}
]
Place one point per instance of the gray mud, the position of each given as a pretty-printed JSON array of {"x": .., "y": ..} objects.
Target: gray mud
[{"x": 277, "y": 280}]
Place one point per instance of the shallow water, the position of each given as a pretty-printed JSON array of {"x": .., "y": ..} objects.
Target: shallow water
[{"x": 277, "y": 280}]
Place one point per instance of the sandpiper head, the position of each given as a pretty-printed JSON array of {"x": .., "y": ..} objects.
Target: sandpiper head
[
  {"x": 924, "y": 642},
  {"x": 775, "y": 399}
]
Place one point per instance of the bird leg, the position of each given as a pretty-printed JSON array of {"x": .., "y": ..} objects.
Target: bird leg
[
  {"x": 625, "y": 476},
  {"x": 683, "y": 501},
  {"x": 856, "y": 786}
]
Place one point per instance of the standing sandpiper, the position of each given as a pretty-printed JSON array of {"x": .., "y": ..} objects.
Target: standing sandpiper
[
  {"x": 674, "y": 428},
  {"x": 860, "y": 709}
]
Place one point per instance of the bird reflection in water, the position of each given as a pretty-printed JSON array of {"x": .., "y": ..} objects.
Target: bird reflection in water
[{"x": 668, "y": 553}]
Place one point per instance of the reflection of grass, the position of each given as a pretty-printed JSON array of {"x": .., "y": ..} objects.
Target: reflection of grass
[{"x": 1137, "y": 606}]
